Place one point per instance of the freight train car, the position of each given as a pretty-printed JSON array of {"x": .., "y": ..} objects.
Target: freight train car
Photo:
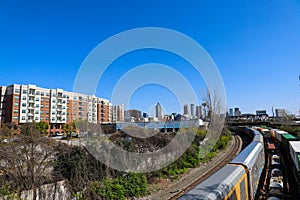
[
  {"x": 285, "y": 142},
  {"x": 278, "y": 135},
  {"x": 295, "y": 157}
]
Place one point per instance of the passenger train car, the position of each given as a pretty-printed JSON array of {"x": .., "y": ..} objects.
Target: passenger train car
[{"x": 237, "y": 180}]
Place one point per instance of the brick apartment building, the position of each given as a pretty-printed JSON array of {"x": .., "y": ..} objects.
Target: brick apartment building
[{"x": 21, "y": 104}]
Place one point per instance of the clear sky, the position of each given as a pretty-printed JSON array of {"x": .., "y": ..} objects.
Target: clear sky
[{"x": 255, "y": 45}]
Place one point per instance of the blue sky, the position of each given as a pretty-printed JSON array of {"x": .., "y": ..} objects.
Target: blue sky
[{"x": 255, "y": 45}]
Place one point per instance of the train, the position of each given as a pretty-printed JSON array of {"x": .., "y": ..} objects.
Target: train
[
  {"x": 290, "y": 146},
  {"x": 239, "y": 179}
]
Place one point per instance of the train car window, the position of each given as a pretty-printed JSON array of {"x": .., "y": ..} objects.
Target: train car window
[
  {"x": 243, "y": 189},
  {"x": 232, "y": 196}
]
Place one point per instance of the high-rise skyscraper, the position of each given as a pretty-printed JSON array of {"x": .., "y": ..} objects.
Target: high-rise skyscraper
[
  {"x": 185, "y": 109},
  {"x": 231, "y": 113},
  {"x": 158, "y": 110},
  {"x": 192, "y": 110},
  {"x": 199, "y": 112}
]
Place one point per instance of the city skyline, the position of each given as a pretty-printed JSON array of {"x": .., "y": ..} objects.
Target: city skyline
[{"x": 255, "y": 46}]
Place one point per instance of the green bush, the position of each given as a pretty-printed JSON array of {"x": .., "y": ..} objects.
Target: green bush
[
  {"x": 109, "y": 189},
  {"x": 135, "y": 184}
]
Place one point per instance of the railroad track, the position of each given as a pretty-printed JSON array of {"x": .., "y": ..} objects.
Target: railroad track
[{"x": 232, "y": 152}]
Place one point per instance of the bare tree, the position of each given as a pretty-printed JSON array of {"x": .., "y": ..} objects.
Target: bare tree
[
  {"x": 212, "y": 103},
  {"x": 26, "y": 160},
  {"x": 5, "y": 132}
]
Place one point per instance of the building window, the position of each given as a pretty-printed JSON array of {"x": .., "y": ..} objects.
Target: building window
[
  {"x": 37, "y": 99},
  {"x": 23, "y": 117},
  {"x": 15, "y": 118},
  {"x": 16, "y": 97},
  {"x": 42, "y": 112},
  {"x": 23, "y": 98},
  {"x": 16, "y": 111},
  {"x": 24, "y": 104},
  {"x": 42, "y": 99},
  {"x": 23, "y": 111},
  {"x": 42, "y": 106},
  {"x": 47, "y": 99},
  {"x": 17, "y": 91},
  {"x": 47, "y": 105},
  {"x": 37, "y": 105},
  {"x": 36, "y": 112},
  {"x": 53, "y": 107},
  {"x": 24, "y": 91},
  {"x": 53, "y": 101},
  {"x": 47, "y": 111},
  {"x": 47, "y": 94},
  {"x": 53, "y": 119},
  {"x": 42, "y": 94},
  {"x": 42, "y": 118},
  {"x": 36, "y": 119},
  {"x": 47, "y": 118},
  {"x": 37, "y": 92},
  {"x": 16, "y": 104}
]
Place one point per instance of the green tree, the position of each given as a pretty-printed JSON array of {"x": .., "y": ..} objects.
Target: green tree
[
  {"x": 69, "y": 128},
  {"x": 29, "y": 129},
  {"x": 42, "y": 127}
]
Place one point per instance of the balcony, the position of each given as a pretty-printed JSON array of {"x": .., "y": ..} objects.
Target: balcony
[
  {"x": 31, "y": 107},
  {"x": 31, "y": 100}
]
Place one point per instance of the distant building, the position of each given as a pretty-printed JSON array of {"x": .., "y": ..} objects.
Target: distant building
[
  {"x": 118, "y": 113},
  {"x": 192, "y": 106},
  {"x": 237, "y": 112},
  {"x": 261, "y": 112},
  {"x": 199, "y": 112},
  {"x": 186, "y": 109},
  {"x": 173, "y": 116},
  {"x": 158, "y": 109},
  {"x": 231, "y": 113},
  {"x": 145, "y": 115},
  {"x": 280, "y": 113},
  {"x": 133, "y": 114}
]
